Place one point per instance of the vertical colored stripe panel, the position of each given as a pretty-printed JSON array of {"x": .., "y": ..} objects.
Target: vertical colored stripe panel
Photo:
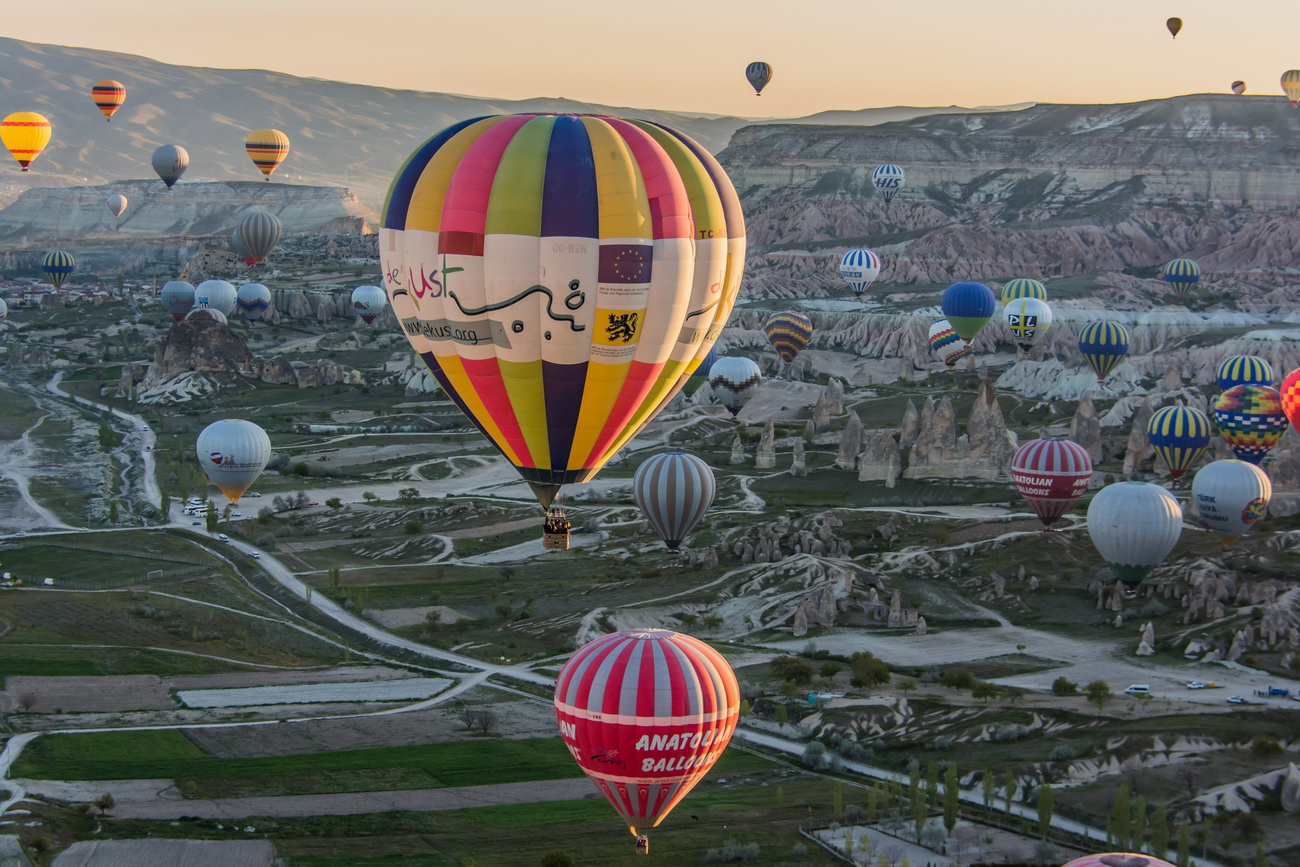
[
  {"x": 485, "y": 380},
  {"x": 570, "y": 200},
  {"x": 459, "y": 382},
  {"x": 397, "y": 202},
  {"x": 624, "y": 205},
  {"x": 522, "y": 385},
  {"x": 464, "y": 211},
  {"x": 669, "y": 205},
  {"x": 563, "y": 386},
  {"x": 515, "y": 204}
]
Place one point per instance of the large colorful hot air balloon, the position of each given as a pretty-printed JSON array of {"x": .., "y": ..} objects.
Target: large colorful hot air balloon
[
  {"x": 759, "y": 74},
  {"x": 945, "y": 343},
  {"x": 116, "y": 204},
  {"x": 256, "y": 236},
  {"x": 674, "y": 490},
  {"x": 1179, "y": 435},
  {"x": 646, "y": 713},
  {"x": 233, "y": 453},
  {"x": 968, "y": 306},
  {"x": 267, "y": 148},
  {"x": 1174, "y": 25},
  {"x": 369, "y": 302},
  {"x": 170, "y": 162},
  {"x": 860, "y": 268},
  {"x": 58, "y": 266},
  {"x": 1251, "y": 420},
  {"x": 1291, "y": 86},
  {"x": 1182, "y": 274},
  {"x": 1051, "y": 474},
  {"x": 108, "y": 97},
  {"x": 559, "y": 275},
  {"x": 25, "y": 134},
  {"x": 700, "y": 374},
  {"x": 253, "y": 299},
  {"x": 1243, "y": 370},
  {"x": 1104, "y": 345},
  {"x": 1239, "y": 87},
  {"x": 888, "y": 180},
  {"x": 1118, "y": 859},
  {"x": 177, "y": 298},
  {"x": 1232, "y": 496},
  {"x": 1289, "y": 394},
  {"x": 1023, "y": 287},
  {"x": 733, "y": 379},
  {"x": 1134, "y": 526},
  {"x": 1028, "y": 319},
  {"x": 216, "y": 295},
  {"x": 789, "y": 333}
]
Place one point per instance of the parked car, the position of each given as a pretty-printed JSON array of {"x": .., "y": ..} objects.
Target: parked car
[
  {"x": 255, "y": 555},
  {"x": 1138, "y": 689},
  {"x": 1236, "y": 699},
  {"x": 252, "y": 495},
  {"x": 20, "y": 533},
  {"x": 1196, "y": 684},
  {"x": 313, "y": 503},
  {"x": 196, "y": 523},
  {"x": 223, "y": 537}
]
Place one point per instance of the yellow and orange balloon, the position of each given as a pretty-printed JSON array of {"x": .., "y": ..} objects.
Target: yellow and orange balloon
[
  {"x": 108, "y": 97},
  {"x": 267, "y": 148},
  {"x": 25, "y": 134}
]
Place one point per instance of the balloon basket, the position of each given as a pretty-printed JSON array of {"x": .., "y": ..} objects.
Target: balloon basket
[
  {"x": 555, "y": 530},
  {"x": 643, "y": 845},
  {"x": 555, "y": 541}
]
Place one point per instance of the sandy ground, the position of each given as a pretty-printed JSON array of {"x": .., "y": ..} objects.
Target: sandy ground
[
  {"x": 408, "y": 689},
  {"x": 81, "y": 694},
  {"x": 396, "y": 618}
]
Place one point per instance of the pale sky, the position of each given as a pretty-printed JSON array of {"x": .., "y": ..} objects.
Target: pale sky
[{"x": 690, "y": 56}]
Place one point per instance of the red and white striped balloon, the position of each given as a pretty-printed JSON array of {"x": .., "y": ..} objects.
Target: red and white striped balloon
[
  {"x": 646, "y": 713},
  {"x": 1051, "y": 474}
]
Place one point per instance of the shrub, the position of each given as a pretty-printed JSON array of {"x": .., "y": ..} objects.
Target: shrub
[
  {"x": 1062, "y": 753},
  {"x": 1011, "y": 732},
  {"x": 732, "y": 851},
  {"x": 815, "y": 756},
  {"x": 1064, "y": 686},
  {"x": 1265, "y": 747}
]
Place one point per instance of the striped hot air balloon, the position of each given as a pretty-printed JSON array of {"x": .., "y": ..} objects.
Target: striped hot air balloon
[
  {"x": 1291, "y": 86},
  {"x": 888, "y": 179},
  {"x": 267, "y": 148},
  {"x": 946, "y": 344},
  {"x": 1104, "y": 345},
  {"x": 733, "y": 379},
  {"x": 1239, "y": 87},
  {"x": 1023, "y": 287},
  {"x": 1134, "y": 526},
  {"x": 1244, "y": 370},
  {"x": 25, "y": 134},
  {"x": 789, "y": 333},
  {"x": 1251, "y": 420},
  {"x": 968, "y": 306},
  {"x": 559, "y": 275},
  {"x": 253, "y": 299},
  {"x": 674, "y": 490},
  {"x": 210, "y": 313},
  {"x": 759, "y": 75},
  {"x": 1051, "y": 474},
  {"x": 256, "y": 236},
  {"x": 58, "y": 266},
  {"x": 1179, "y": 435},
  {"x": 108, "y": 97},
  {"x": 646, "y": 713},
  {"x": 1182, "y": 274},
  {"x": 860, "y": 268}
]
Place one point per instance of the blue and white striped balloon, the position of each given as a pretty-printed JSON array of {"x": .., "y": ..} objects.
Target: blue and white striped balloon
[
  {"x": 888, "y": 179},
  {"x": 859, "y": 268}
]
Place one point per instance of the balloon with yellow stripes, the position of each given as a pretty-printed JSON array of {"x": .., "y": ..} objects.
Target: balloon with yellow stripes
[
  {"x": 267, "y": 148},
  {"x": 25, "y": 134}
]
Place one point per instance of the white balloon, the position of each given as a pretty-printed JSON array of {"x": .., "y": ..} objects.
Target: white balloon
[
  {"x": 369, "y": 302},
  {"x": 217, "y": 294},
  {"x": 253, "y": 300},
  {"x": 1028, "y": 320},
  {"x": 1231, "y": 497},
  {"x": 733, "y": 379},
  {"x": 1134, "y": 526},
  {"x": 233, "y": 453}
]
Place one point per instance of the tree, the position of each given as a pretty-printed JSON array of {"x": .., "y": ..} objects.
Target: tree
[
  {"x": 105, "y": 803},
  {"x": 1064, "y": 686},
  {"x": 112, "y": 511},
  {"x": 369, "y": 496},
  {"x": 335, "y": 503},
  {"x": 919, "y": 814},
  {"x": 867, "y": 671},
  {"x": 558, "y": 858},
  {"x": 1012, "y": 694},
  {"x": 907, "y": 684},
  {"x": 1122, "y": 819},
  {"x": 1159, "y": 832},
  {"x": 409, "y": 494},
  {"x": 829, "y": 670},
  {"x": 413, "y": 527},
  {"x": 164, "y": 505},
  {"x": 990, "y": 786},
  {"x": 932, "y": 784},
  {"x": 957, "y": 678},
  {"x": 1184, "y": 846},
  {"x": 951, "y": 794},
  {"x": 837, "y": 799},
  {"x": 782, "y": 714},
  {"x": 794, "y": 670},
  {"x": 1139, "y": 823},
  {"x": 210, "y": 517},
  {"x": 1009, "y": 788},
  {"x": 1098, "y": 693},
  {"x": 985, "y": 690},
  {"x": 1044, "y": 808},
  {"x": 26, "y": 700}
]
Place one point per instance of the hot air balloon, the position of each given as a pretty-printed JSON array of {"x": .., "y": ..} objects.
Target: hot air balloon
[
  {"x": 646, "y": 713},
  {"x": 859, "y": 268},
  {"x": 1291, "y": 86},
  {"x": 233, "y": 453},
  {"x": 369, "y": 302},
  {"x": 267, "y": 148},
  {"x": 1028, "y": 320},
  {"x": 108, "y": 97},
  {"x": 58, "y": 266},
  {"x": 116, "y": 204},
  {"x": 252, "y": 300},
  {"x": 559, "y": 275},
  {"x": 1182, "y": 274},
  {"x": 1289, "y": 394},
  {"x": 945, "y": 343},
  {"x": 1251, "y": 420},
  {"x": 208, "y": 313},
  {"x": 700, "y": 374},
  {"x": 1134, "y": 526},
  {"x": 1174, "y": 25},
  {"x": 25, "y": 134},
  {"x": 177, "y": 298},
  {"x": 1023, "y": 287},
  {"x": 1104, "y": 345},
  {"x": 1118, "y": 859},
  {"x": 4, "y": 309},
  {"x": 674, "y": 490},
  {"x": 1244, "y": 370},
  {"x": 1051, "y": 474},
  {"x": 1179, "y": 435},
  {"x": 888, "y": 180},
  {"x": 216, "y": 295},
  {"x": 256, "y": 236},
  {"x": 759, "y": 74},
  {"x": 968, "y": 306},
  {"x": 789, "y": 333},
  {"x": 1231, "y": 497},
  {"x": 733, "y": 379},
  {"x": 1239, "y": 87},
  {"x": 170, "y": 162}
]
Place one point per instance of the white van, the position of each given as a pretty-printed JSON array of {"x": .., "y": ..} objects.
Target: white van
[{"x": 1138, "y": 689}]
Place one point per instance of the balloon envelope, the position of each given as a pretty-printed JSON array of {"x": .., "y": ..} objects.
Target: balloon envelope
[
  {"x": 1251, "y": 420},
  {"x": 560, "y": 275},
  {"x": 267, "y": 148},
  {"x": 674, "y": 490},
  {"x": 233, "y": 453},
  {"x": 968, "y": 306},
  {"x": 946, "y": 344},
  {"x": 1179, "y": 435},
  {"x": 1243, "y": 370},
  {"x": 733, "y": 379},
  {"x": 860, "y": 268},
  {"x": 256, "y": 236},
  {"x": 1291, "y": 85},
  {"x": 177, "y": 298},
  {"x": 1028, "y": 319},
  {"x": 1051, "y": 474},
  {"x": 1289, "y": 394},
  {"x": 700, "y": 374},
  {"x": 1239, "y": 87},
  {"x": 108, "y": 97},
  {"x": 217, "y": 295},
  {"x": 1104, "y": 345},
  {"x": 1118, "y": 859},
  {"x": 253, "y": 299},
  {"x": 170, "y": 162},
  {"x": 789, "y": 333},
  {"x": 208, "y": 313},
  {"x": 758, "y": 74},
  {"x": 25, "y": 134},
  {"x": 116, "y": 204},
  {"x": 888, "y": 179},
  {"x": 1174, "y": 25},
  {"x": 58, "y": 266},
  {"x": 1023, "y": 287},
  {"x": 646, "y": 713},
  {"x": 1182, "y": 274},
  {"x": 369, "y": 302},
  {"x": 1134, "y": 526},
  {"x": 4, "y": 309},
  {"x": 1231, "y": 496}
]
